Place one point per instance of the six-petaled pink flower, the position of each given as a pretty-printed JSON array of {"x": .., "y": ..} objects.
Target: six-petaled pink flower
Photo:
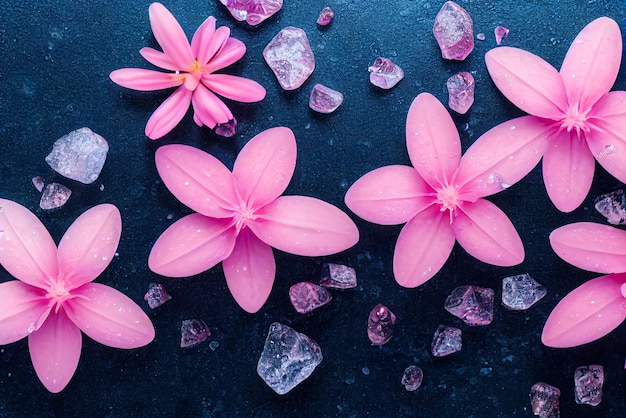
[
  {"x": 582, "y": 119},
  {"x": 440, "y": 199},
  {"x": 597, "y": 307},
  {"x": 54, "y": 298},
  {"x": 241, "y": 215},
  {"x": 194, "y": 73}
]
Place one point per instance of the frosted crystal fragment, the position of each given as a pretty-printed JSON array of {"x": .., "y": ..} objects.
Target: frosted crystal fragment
[
  {"x": 412, "y": 378},
  {"x": 460, "y": 92},
  {"x": 384, "y": 73},
  {"x": 544, "y": 400},
  {"x": 324, "y": 99},
  {"x": 193, "y": 332},
  {"x": 156, "y": 295},
  {"x": 521, "y": 292},
  {"x": 307, "y": 296},
  {"x": 472, "y": 304},
  {"x": 288, "y": 358},
  {"x": 326, "y": 16},
  {"x": 252, "y": 11},
  {"x": 612, "y": 206},
  {"x": 290, "y": 57},
  {"x": 79, "y": 155},
  {"x": 500, "y": 32},
  {"x": 446, "y": 341},
  {"x": 54, "y": 196},
  {"x": 38, "y": 183},
  {"x": 588, "y": 381},
  {"x": 338, "y": 276},
  {"x": 228, "y": 129},
  {"x": 454, "y": 31},
  {"x": 380, "y": 325}
]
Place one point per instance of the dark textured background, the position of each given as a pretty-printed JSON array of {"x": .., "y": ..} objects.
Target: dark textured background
[{"x": 55, "y": 57}]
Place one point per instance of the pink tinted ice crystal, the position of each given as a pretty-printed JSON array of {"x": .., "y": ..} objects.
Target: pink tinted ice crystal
[
  {"x": 500, "y": 32},
  {"x": 454, "y": 31},
  {"x": 79, "y": 155},
  {"x": 326, "y": 16},
  {"x": 380, "y": 325},
  {"x": 472, "y": 304},
  {"x": 461, "y": 92},
  {"x": 324, "y": 99},
  {"x": 521, "y": 292},
  {"x": 193, "y": 332},
  {"x": 38, "y": 183},
  {"x": 612, "y": 206},
  {"x": 290, "y": 57},
  {"x": 252, "y": 11},
  {"x": 54, "y": 196},
  {"x": 412, "y": 378},
  {"x": 306, "y": 296},
  {"x": 446, "y": 341},
  {"x": 156, "y": 295},
  {"x": 384, "y": 73},
  {"x": 544, "y": 400},
  {"x": 338, "y": 276},
  {"x": 588, "y": 381}
]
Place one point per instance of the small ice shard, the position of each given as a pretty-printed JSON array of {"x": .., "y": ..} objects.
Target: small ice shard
[
  {"x": 384, "y": 73},
  {"x": 38, "y": 183},
  {"x": 412, "y": 378},
  {"x": 324, "y": 99},
  {"x": 307, "y": 296},
  {"x": 79, "y": 155},
  {"x": 588, "y": 382},
  {"x": 544, "y": 400},
  {"x": 481, "y": 36},
  {"x": 460, "y": 92},
  {"x": 288, "y": 358},
  {"x": 521, "y": 292},
  {"x": 228, "y": 129},
  {"x": 454, "y": 31},
  {"x": 338, "y": 276},
  {"x": 193, "y": 332},
  {"x": 156, "y": 295},
  {"x": 326, "y": 16},
  {"x": 446, "y": 340},
  {"x": 500, "y": 32},
  {"x": 473, "y": 304},
  {"x": 252, "y": 11},
  {"x": 380, "y": 325},
  {"x": 290, "y": 57},
  {"x": 54, "y": 196},
  {"x": 612, "y": 206}
]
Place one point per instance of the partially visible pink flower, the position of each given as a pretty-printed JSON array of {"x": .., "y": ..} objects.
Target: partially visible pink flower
[
  {"x": 596, "y": 308},
  {"x": 441, "y": 198},
  {"x": 242, "y": 215},
  {"x": 54, "y": 298},
  {"x": 194, "y": 73},
  {"x": 581, "y": 118}
]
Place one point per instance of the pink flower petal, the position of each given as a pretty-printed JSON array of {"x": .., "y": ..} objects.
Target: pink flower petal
[
  {"x": 199, "y": 180},
  {"x": 160, "y": 59},
  {"x": 607, "y": 139},
  {"x": 264, "y": 166},
  {"x": 432, "y": 140},
  {"x": 502, "y": 156},
  {"x": 27, "y": 250},
  {"x": 528, "y": 81},
  {"x": 568, "y": 167},
  {"x": 250, "y": 271},
  {"x": 389, "y": 195},
  {"x": 218, "y": 42},
  {"x": 304, "y": 226},
  {"x": 231, "y": 52},
  {"x": 209, "y": 108},
  {"x": 192, "y": 245},
  {"x": 89, "y": 245},
  {"x": 485, "y": 232},
  {"x": 145, "y": 80},
  {"x": 423, "y": 246},
  {"x": 109, "y": 317},
  {"x": 23, "y": 309},
  {"x": 170, "y": 36},
  {"x": 587, "y": 313},
  {"x": 234, "y": 88},
  {"x": 167, "y": 116},
  {"x": 55, "y": 351},
  {"x": 592, "y": 62},
  {"x": 590, "y": 246},
  {"x": 201, "y": 41}
]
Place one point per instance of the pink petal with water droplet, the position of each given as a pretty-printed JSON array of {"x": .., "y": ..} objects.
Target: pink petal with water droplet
[
  {"x": 485, "y": 232},
  {"x": 250, "y": 271},
  {"x": 528, "y": 81},
  {"x": 55, "y": 351},
  {"x": 587, "y": 313},
  {"x": 27, "y": 250},
  {"x": 201, "y": 42},
  {"x": 304, "y": 226},
  {"x": 432, "y": 140},
  {"x": 170, "y": 36},
  {"x": 607, "y": 140},
  {"x": 591, "y": 246},
  {"x": 192, "y": 245},
  {"x": 592, "y": 63},
  {"x": 169, "y": 113},
  {"x": 389, "y": 195},
  {"x": 23, "y": 306},
  {"x": 423, "y": 246},
  {"x": 144, "y": 80},
  {"x": 264, "y": 166},
  {"x": 235, "y": 88}
]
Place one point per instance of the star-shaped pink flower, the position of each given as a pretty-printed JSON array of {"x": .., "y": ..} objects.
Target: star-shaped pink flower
[
  {"x": 441, "y": 198},
  {"x": 242, "y": 214},
  {"x": 54, "y": 298},
  {"x": 581, "y": 118},
  {"x": 194, "y": 69},
  {"x": 597, "y": 307}
]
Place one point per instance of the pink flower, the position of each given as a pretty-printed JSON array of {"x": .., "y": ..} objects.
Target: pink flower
[
  {"x": 581, "y": 118},
  {"x": 194, "y": 69},
  {"x": 241, "y": 215},
  {"x": 441, "y": 198},
  {"x": 596, "y": 308},
  {"x": 54, "y": 298}
]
